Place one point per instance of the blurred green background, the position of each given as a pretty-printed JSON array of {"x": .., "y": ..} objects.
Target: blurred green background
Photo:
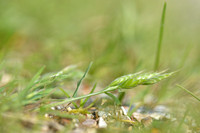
[{"x": 120, "y": 36}]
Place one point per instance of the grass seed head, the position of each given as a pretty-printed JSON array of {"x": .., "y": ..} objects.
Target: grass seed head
[{"x": 133, "y": 80}]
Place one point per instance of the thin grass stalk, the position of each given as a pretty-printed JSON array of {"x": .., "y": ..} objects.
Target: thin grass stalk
[
  {"x": 189, "y": 92},
  {"x": 84, "y": 96},
  {"x": 157, "y": 60},
  {"x": 80, "y": 81},
  {"x": 68, "y": 96}
]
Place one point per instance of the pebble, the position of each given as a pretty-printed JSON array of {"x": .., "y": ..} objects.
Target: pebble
[
  {"x": 139, "y": 116},
  {"x": 161, "y": 109},
  {"x": 53, "y": 108},
  {"x": 156, "y": 116},
  {"x": 59, "y": 107},
  {"x": 89, "y": 123},
  {"x": 46, "y": 115},
  {"x": 69, "y": 109},
  {"x": 102, "y": 123},
  {"x": 124, "y": 110}
]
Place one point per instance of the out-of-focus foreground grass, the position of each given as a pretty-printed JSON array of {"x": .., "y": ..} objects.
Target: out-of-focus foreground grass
[{"x": 120, "y": 37}]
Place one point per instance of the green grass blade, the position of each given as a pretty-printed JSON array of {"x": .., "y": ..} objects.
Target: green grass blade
[
  {"x": 58, "y": 76},
  {"x": 79, "y": 82},
  {"x": 109, "y": 89},
  {"x": 68, "y": 96},
  {"x": 189, "y": 92},
  {"x": 91, "y": 104},
  {"x": 33, "y": 97},
  {"x": 116, "y": 100},
  {"x": 83, "y": 103},
  {"x": 8, "y": 87},
  {"x": 24, "y": 92},
  {"x": 131, "y": 111},
  {"x": 121, "y": 96},
  {"x": 157, "y": 60},
  {"x": 64, "y": 92}
]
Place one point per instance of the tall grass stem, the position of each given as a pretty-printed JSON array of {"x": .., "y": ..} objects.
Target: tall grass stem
[
  {"x": 159, "y": 46},
  {"x": 186, "y": 90}
]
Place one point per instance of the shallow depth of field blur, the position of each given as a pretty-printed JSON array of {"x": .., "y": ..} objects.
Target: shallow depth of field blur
[{"x": 119, "y": 36}]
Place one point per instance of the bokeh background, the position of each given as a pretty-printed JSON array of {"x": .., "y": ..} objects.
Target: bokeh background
[{"x": 119, "y": 36}]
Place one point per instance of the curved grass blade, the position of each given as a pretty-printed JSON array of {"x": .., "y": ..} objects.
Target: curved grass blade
[
  {"x": 121, "y": 96},
  {"x": 48, "y": 79},
  {"x": 68, "y": 96},
  {"x": 189, "y": 92},
  {"x": 116, "y": 100},
  {"x": 79, "y": 82},
  {"x": 24, "y": 92}
]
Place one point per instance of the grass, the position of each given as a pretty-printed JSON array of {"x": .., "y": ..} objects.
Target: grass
[
  {"x": 157, "y": 60},
  {"x": 40, "y": 87},
  {"x": 189, "y": 92},
  {"x": 79, "y": 82},
  {"x": 128, "y": 82},
  {"x": 119, "y": 37}
]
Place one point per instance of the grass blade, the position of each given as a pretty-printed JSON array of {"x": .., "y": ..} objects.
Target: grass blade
[
  {"x": 189, "y": 92},
  {"x": 83, "y": 103},
  {"x": 24, "y": 92},
  {"x": 64, "y": 92},
  {"x": 121, "y": 96},
  {"x": 109, "y": 89},
  {"x": 68, "y": 96},
  {"x": 79, "y": 82},
  {"x": 160, "y": 37},
  {"x": 113, "y": 97}
]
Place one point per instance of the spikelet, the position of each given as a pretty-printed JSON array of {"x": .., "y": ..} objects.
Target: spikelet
[
  {"x": 123, "y": 78},
  {"x": 133, "y": 80}
]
